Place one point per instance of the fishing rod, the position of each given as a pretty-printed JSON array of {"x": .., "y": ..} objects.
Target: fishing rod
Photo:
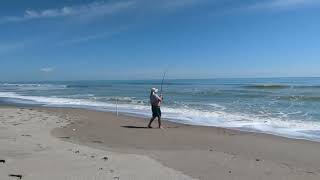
[{"x": 164, "y": 75}]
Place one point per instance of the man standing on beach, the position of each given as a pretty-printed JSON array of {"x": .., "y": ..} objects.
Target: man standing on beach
[{"x": 155, "y": 101}]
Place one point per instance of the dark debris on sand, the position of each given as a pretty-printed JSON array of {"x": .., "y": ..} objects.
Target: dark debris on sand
[
  {"x": 26, "y": 135},
  {"x": 65, "y": 137},
  {"x": 16, "y": 175}
]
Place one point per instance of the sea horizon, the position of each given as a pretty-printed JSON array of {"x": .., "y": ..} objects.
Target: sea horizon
[{"x": 160, "y": 78}]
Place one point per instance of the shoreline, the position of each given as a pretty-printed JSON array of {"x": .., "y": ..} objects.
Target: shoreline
[
  {"x": 168, "y": 120},
  {"x": 291, "y": 127}
]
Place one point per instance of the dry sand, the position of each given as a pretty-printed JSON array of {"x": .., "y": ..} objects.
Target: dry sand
[{"x": 28, "y": 149}]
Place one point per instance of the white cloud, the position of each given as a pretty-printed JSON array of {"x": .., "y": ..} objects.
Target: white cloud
[
  {"x": 91, "y": 37},
  {"x": 283, "y": 4},
  {"x": 91, "y": 9},
  {"x": 47, "y": 69},
  {"x": 100, "y": 8},
  {"x": 179, "y": 3},
  {"x": 104, "y": 8}
]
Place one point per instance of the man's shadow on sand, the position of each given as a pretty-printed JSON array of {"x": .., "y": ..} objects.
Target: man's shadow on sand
[
  {"x": 136, "y": 127},
  {"x": 144, "y": 127}
]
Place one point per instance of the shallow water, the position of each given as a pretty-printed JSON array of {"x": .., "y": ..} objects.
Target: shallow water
[{"x": 281, "y": 106}]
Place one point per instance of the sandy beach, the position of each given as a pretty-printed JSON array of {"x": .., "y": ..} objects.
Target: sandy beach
[
  {"x": 65, "y": 143},
  {"x": 28, "y": 151}
]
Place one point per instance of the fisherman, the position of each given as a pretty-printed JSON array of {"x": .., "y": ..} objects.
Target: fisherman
[{"x": 155, "y": 101}]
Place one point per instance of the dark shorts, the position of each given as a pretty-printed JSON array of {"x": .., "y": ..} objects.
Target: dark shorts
[{"x": 156, "y": 112}]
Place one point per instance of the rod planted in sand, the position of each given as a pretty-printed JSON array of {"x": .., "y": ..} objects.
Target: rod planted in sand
[{"x": 117, "y": 107}]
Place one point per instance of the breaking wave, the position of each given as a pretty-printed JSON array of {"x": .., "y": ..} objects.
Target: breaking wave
[
  {"x": 31, "y": 86},
  {"x": 267, "y": 86}
]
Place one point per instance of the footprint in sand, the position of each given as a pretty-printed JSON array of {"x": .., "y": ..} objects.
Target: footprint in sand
[
  {"x": 18, "y": 176},
  {"x": 41, "y": 148},
  {"x": 26, "y": 135}
]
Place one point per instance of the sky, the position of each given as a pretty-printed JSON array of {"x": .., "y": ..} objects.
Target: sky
[{"x": 140, "y": 39}]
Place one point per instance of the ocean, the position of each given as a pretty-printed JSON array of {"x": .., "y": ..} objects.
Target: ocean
[{"x": 287, "y": 107}]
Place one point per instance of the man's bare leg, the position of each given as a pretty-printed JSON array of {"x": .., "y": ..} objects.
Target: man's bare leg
[
  {"x": 159, "y": 122},
  {"x": 151, "y": 120}
]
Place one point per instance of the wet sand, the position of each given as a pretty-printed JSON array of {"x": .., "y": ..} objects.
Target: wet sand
[{"x": 199, "y": 152}]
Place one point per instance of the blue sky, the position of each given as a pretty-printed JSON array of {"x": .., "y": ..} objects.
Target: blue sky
[{"x": 139, "y": 39}]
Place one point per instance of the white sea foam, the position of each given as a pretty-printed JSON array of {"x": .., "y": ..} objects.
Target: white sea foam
[
  {"x": 31, "y": 86},
  {"x": 76, "y": 96},
  {"x": 217, "y": 106},
  {"x": 219, "y": 118}
]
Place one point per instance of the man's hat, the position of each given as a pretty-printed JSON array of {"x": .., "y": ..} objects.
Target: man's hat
[{"x": 154, "y": 90}]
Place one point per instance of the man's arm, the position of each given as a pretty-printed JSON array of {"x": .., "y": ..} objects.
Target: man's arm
[{"x": 159, "y": 98}]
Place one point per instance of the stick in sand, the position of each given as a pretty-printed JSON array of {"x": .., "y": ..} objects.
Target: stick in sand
[
  {"x": 117, "y": 107},
  {"x": 164, "y": 75}
]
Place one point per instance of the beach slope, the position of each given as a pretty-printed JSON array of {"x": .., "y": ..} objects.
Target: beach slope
[{"x": 28, "y": 151}]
